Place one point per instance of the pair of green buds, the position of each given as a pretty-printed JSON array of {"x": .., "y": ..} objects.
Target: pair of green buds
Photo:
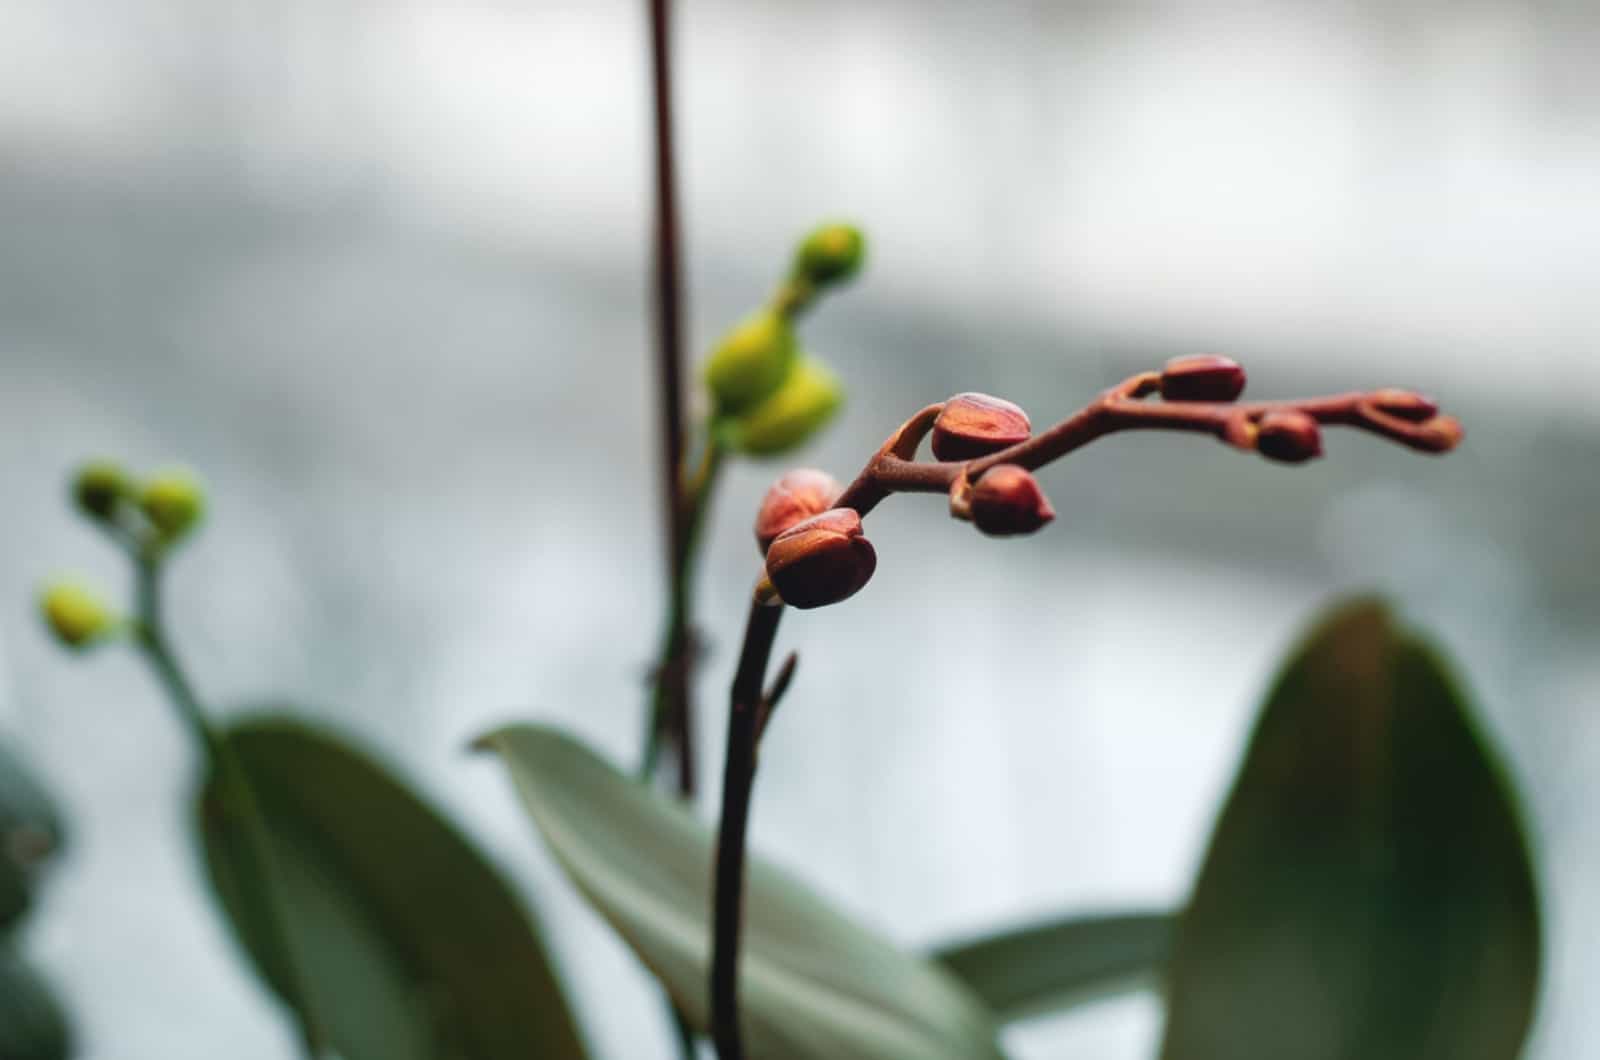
[
  {"x": 770, "y": 395},
  {"x": 149, "y": 517}
]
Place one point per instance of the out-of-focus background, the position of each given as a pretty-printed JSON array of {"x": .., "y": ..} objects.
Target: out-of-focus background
[{"x": 378, "y": 270}]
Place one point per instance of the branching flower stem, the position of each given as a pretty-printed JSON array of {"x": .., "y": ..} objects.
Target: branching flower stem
[{"x": 1400, "y": 416}]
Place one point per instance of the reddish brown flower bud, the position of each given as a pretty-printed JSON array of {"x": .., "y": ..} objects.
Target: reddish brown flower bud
[
  {"x": 1406, "y": 404},
  {"x": 974, "y": 425},
  {"x": 1206, "y": 377},
  {"x": 1289, "y": 436},
  {"x": 798, "y": 495},
  {"x": 1007, "y": 500},
  {"x": 1445, "y": 432},
  {"x": 821, "y": 560}
]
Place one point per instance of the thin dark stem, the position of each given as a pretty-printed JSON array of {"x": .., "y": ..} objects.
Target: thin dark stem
[
  {"x": 671, "y": 711},
  {"x": 738, "y": 778},
  {"x": 257, "y": 881},
  {"x": 674, "y": 677}
]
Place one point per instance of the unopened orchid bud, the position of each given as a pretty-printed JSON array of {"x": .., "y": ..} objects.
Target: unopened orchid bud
[
  {"x": 1445, "y": 432},
  {"x": 1289, "y": 436},
  {"x": 1205, "y": 377},
  {"x": 751, "y": 361},
  {"x": 1406, "y": 405},
  {"x": 98, "y": 487},
  {"x": 830, "y": 254},
  {"x": 821, "y": 560},
  {"x": 76, "y": 615},
  {"x": 974, "y": 425},
  {"x": 794, "y": 412},
  {"x": 796, "y": 496},
  {"x": 173, "y": 501},
  {"x": 1007, "y": 501}
]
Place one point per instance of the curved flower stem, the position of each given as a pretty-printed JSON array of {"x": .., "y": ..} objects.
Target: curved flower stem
[
  {"x": 258, "y": 882},
  {"x": 1399, "y": 416}
]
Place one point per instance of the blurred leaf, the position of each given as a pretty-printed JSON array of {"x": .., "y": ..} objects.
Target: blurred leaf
[
  {"x": 30, "y": 832},
  {"x": 1368, "y": 892},
  {"x": 812, "y": 983},
  {"x": 32, "y": 1024},
  {"x": 410, "y": 944},
  {"x": 1056, "y": 965}
]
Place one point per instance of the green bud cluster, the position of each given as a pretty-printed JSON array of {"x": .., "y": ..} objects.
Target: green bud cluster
[
  {"x": 158, "y": 511},
  {"x": 770, "y": 396},
  {"x": 146, "y": 517}
]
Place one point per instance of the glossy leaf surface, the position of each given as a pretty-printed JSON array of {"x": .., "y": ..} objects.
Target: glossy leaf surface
[
  {"x": 1368, "y": 892},
  {"x": 407, "y": 944},
  {"x": 813, "y": 983}
]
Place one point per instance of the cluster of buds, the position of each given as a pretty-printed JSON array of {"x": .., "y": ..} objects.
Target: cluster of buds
[
  {"x": 770, "y": 396},
  {"x": 148, "y": 517},
  {"x": 811, "y": 532},
  {"x": 815, "y": 553},
  {"x": 1293, "y": 435}
]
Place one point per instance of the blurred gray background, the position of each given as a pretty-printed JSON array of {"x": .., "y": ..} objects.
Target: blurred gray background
[{"x": 377, "y": 268}]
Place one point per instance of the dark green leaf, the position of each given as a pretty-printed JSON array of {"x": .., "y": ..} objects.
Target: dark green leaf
[
  {"x": 407, "y": 944},
  {"x": 30, "y": 831},
  {"x": 1063, "y": 963},
  {"x": 812, "y": 983},
  {"x": 32, "y": 1025},
  {"x": 1369, "y": 893}
]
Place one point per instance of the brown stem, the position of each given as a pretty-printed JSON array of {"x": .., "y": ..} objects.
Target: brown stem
[
  {"x": 738, "y": 778},
  {"x": 892, "y": 469},
  {"x": 669, "y": 377}
]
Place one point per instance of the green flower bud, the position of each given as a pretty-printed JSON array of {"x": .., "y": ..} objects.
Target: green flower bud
[
  {"x": 76, "y": 615},
  {"x": 751, "y": 361},
  {"x": 173, "y": 501},
  {"x": 98, "y": 487},
  {"x": 831, "y": 254},
  {"x": 805, "y": 401}
]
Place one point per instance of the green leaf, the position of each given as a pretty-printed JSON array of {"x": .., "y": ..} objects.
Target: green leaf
[
  {"x": 30, "y": 832},
  {"x": 1369, "y": 892},
  {"x": 408, "y": 945},
  {"x": 1056, "y": 965},
  {"x": 812, "y": 983},
  {"x": 32, "y": 1024}
]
